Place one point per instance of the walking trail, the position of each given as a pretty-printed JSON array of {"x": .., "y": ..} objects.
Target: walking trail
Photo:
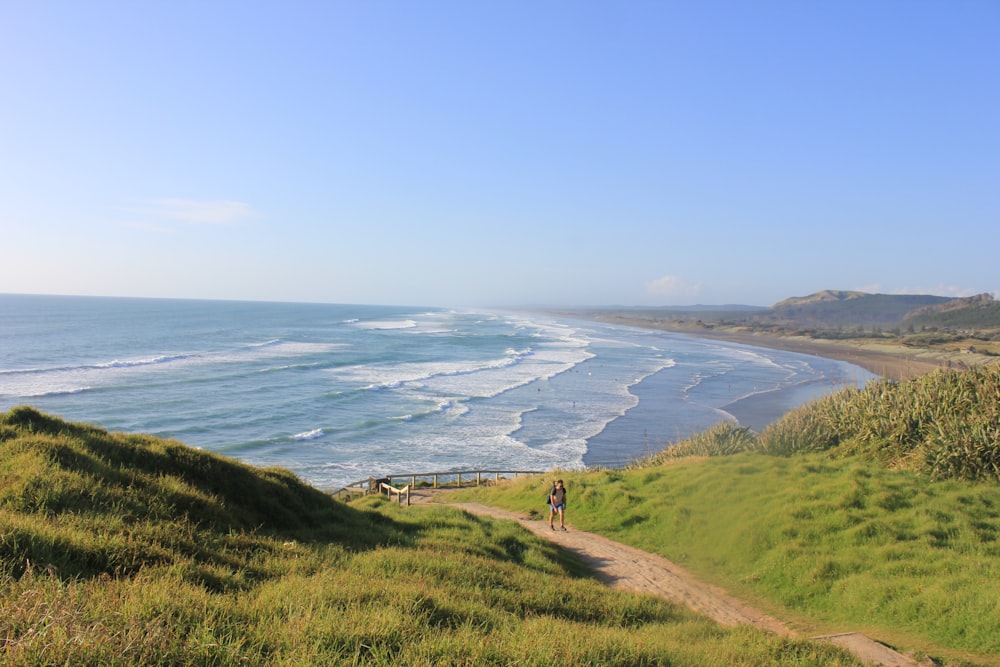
[{"x": 621, "y": 566}]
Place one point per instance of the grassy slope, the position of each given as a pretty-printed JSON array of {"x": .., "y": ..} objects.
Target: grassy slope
[
  {"x": 834, "y": 545},
  {"x": 875, "y": 508},
  {"x": 121, "y": 549}
]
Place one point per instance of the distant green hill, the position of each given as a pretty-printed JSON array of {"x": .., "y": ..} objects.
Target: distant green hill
[
  {"x": 975, "y": 312},
  {"x": 833, "y": 308},
  {"x": 830, "y": 310}
]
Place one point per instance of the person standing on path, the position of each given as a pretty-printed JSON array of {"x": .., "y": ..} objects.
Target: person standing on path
[{"x": 557, "y": 503}]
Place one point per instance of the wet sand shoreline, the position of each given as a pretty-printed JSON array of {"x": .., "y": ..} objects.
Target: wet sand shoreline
[
  {"x": 756, "y": 411},
  {"x": 891, "y": 361}
]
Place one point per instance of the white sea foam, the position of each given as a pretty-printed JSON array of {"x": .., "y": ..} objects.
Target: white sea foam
[
  {"x": 29, "y": 391},
  {"x": 395, "y": 390},
  {"x": 61, "y": 381},
  {"x": 268, "y": 343},
  {"x": 463, "y": 377},
  {"x": 130, "y": 363},
  {"x": 35, "y": 382},
  {"x": 309, "y": 435},
  {"x": 386, "y": 324}
]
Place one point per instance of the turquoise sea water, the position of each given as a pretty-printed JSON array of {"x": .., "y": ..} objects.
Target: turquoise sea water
[{"x": 336, "y": 393}]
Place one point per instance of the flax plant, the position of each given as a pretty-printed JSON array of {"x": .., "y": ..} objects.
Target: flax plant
[{"x": 944, "y": 424}]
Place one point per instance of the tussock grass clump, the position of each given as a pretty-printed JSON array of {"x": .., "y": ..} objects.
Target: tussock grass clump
[
  {"x": 722, "y": 439},
  {"x": 944, "y": 424},
  {"x": 130, "y": 550}
]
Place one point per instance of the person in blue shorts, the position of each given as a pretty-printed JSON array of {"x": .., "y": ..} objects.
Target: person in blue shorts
[{"x": 557, "y": 503}]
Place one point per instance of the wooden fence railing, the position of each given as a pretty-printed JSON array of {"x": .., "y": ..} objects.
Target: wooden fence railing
[
  {"x": 435, "y": 480},
  {"x": 390, "y": 489}
]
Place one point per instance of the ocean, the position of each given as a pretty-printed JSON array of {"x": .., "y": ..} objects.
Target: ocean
[{"x": 336, "y": 393}]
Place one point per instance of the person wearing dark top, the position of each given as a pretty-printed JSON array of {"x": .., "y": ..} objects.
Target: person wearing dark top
[{"x": 557, "y": 503}]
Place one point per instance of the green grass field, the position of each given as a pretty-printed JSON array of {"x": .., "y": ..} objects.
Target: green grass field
[
  {"x": 832, "y": 545},
  {"x": 875, "y": 509},
  {"x": 129, "y": 550},
  {"x": 125, "y": 549}
]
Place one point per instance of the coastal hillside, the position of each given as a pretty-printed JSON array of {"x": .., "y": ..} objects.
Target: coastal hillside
[
  {"x": 866, "y": 511},
  {"x": 81, "y": 501},
  {"x": 897, "y": 336},
  {"x": 976, "y": 312},
  {"x": 874, "y": 509},
  {"x": 942, "y": 425},
  {"x": 831, "y": 310},
  {"x": 133, "y": 550},
  {"x": 129, "y": 549}
]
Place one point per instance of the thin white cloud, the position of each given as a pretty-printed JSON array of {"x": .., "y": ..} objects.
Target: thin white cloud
[
  {"x": 672, "y": 286},
  {"x": 940, "y": 290},
  {"x": 201, "y": 211}
]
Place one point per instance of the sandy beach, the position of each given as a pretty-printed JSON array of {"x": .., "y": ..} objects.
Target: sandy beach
[
  {"x": 891, "y": 361},
  {"x": 759, "y": 410},
  {"x": 652, "y": 425}
]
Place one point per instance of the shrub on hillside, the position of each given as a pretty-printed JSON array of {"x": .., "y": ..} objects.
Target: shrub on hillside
[{"x": 944, "y": 424}]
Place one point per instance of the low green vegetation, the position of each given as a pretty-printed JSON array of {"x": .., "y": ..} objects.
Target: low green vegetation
[
  {"x": 944, "y": 425},
  {"x": 873, "y": 510},
  {"x": 969, "y": 326},
  {"x": 131, "y": 550},
  {"x": 834, "y": 545}
]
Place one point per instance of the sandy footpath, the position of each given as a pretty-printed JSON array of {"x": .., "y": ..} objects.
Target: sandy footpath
[{"x": 621, "y": 566}]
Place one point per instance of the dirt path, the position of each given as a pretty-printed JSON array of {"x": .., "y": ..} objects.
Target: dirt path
[{"x": 621, "y": 566}]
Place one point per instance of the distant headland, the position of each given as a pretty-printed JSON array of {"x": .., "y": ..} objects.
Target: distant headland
[{"x": 895, "y": 336}]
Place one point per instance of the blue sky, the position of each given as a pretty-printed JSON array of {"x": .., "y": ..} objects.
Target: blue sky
[{"x": 462, "y": 153}]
